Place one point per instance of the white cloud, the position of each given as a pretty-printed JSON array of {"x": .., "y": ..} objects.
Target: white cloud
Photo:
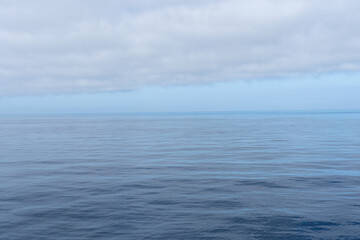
[{"x": 50, "y": 47}]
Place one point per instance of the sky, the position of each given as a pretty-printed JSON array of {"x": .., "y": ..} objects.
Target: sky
[{"x": 90, "y": 56}]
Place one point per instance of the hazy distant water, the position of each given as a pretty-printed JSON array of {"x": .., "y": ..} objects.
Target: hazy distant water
[{"x": 182, "y": 176}]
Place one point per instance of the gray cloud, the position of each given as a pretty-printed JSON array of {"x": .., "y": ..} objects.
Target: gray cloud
[{"x": 51, "y": 47}]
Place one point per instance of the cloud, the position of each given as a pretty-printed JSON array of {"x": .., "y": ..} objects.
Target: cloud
[{"x": 59, "y": 47}]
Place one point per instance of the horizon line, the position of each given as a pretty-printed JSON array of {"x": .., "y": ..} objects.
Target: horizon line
[{"x": 302, "y": 111}]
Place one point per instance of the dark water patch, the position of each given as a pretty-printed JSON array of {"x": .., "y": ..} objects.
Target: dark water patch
[
  {"x": 257, "y": 183},
  {"x": 281, "y": 227}
]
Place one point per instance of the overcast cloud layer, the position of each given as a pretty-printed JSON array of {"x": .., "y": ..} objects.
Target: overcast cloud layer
[{"x": 52, "y": 47}]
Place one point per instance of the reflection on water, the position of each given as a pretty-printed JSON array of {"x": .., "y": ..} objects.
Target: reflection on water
[{"x": 184, "y": 176}]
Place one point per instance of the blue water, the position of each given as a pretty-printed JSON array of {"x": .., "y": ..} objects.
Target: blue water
[{"x": 180, "y": 176}]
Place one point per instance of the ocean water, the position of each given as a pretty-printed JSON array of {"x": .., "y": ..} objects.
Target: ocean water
[{"x": 180, "y": 176}]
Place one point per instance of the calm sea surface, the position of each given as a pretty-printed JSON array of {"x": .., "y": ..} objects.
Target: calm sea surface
[{"x": 180, "y": 176}]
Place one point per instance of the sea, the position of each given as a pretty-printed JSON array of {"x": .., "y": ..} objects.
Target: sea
[{"x": 217, "y": 175}]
